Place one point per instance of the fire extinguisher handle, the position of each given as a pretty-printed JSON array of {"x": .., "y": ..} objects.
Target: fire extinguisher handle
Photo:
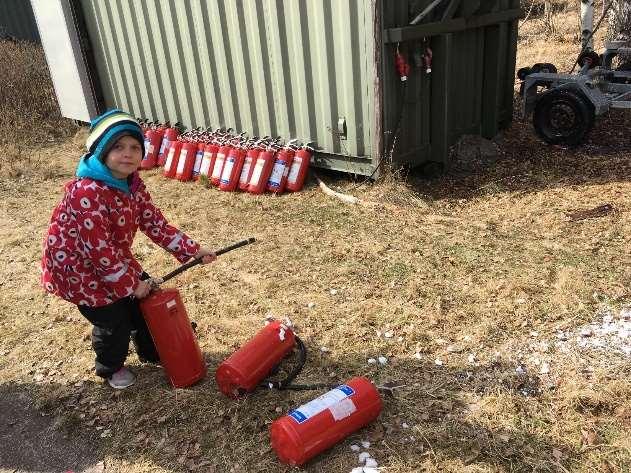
[
  {"x": 236, "y": 245},
  {"x": 197, "y": 261}
]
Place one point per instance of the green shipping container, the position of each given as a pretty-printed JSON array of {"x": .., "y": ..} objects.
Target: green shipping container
[{"x": 316, "y": 70}]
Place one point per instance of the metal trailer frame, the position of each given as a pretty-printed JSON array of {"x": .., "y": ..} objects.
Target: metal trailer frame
[{"x": 601, "y": 87}]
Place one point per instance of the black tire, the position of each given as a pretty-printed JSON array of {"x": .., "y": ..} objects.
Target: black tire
[{"x": 563, "y": 117}]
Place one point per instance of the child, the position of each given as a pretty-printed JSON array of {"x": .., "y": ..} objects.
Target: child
[{"x": 87, "y": 252}]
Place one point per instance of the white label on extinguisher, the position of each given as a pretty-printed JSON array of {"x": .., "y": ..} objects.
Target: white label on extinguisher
[
  {"x": 342, "y": 409},
  {"x": 198, "y": 162},
  {"x": 256, "y": 174},
  {"x": 167, "y": 165},
  {"x": 277, "y": 174},
  {"x": 295, "y": 169},
  {"x": 150, "y": 148},
  {"x": 171, "y": 303},
  {"x": 164, "y": 145},
  {"x": 181, "y": 162},
  {"x": 245, "y": 171},
  {"x": 205, "y": 163},
  {"x": 322, "y": 403},
  {"x": 146, "y": 149},
  {"x": 218, "y": 166},
  {"x": 227, "y": 170}
]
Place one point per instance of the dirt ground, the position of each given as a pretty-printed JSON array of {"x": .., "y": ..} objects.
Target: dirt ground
[{"x": 506, "y": 321}]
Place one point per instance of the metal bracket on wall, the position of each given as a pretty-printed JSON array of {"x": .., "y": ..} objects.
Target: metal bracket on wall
[
  {"x": 341, "y": 128},
  {"x": 407, "y": 33}
]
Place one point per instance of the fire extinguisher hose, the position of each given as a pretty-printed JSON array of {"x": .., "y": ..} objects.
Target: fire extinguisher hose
[
  {"x": 286, "y": 384},
  {"x": 197, "y": 261}
]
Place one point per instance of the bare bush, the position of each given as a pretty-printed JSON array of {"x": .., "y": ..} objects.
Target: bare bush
[{"x": 29, "y": 113}]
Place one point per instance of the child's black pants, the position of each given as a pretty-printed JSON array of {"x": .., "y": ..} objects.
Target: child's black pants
[{"x": 113, "y": 325}]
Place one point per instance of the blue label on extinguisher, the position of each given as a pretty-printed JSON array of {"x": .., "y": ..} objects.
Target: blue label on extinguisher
[{"x": 320, "y": 404}]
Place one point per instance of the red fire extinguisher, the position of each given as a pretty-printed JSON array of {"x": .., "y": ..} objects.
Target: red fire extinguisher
[
  {"x": 208, "y": 161},
  {"x": 248, "y": 167},
  {"x": 262, "y": 170},
  {"x": 153, "y": 139},
  {"x": 199, "y": 157},
  {"x": 171, "y": 329},
  {"x": 278, "y": 179},
  {"x": 247, "y": 367},
  {"x": 186, "y": 162},
  {"x": 318, "y": 425},
  {"x": 170, "y": 135},
  {"x": 299, "y": 168},
  {"x": 170, "y": 166},
  {"x": 222, "y": 153},
  {"x": 173, "y": 337},
  {"x": 232, "y": 170}
]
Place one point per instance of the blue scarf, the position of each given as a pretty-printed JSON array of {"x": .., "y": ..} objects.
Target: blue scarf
[{"x": 92, "y": 167}]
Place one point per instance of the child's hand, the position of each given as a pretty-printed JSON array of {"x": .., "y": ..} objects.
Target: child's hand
[
  {"x": 206, "y": 255},
  {"x": 142, "y": 290}
]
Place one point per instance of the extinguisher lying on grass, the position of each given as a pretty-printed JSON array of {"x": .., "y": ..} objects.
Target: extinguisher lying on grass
[
  {"x": 313, "y": 427},
  {"x": 171, "y": 330}
]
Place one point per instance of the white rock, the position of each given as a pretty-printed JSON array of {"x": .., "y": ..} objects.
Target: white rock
[
  {"x": 388, "y": 334},
  {"x": 363, "y": 456},
  {"x": 370, "y": 463},
  {"x": 371, "y": 361},
  {"x": 365, "y": 444},
  {"x": 355, "y": 448},
  {"x": 438, "y": 362},
  {"x": 383, "y": 360}
]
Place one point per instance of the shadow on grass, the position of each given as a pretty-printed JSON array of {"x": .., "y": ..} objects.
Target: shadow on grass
[
  {"x": 77, "y": 424},
  {"x": 527, "y": 164}
]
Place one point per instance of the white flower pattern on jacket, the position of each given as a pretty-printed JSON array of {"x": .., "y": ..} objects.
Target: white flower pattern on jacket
[{"x": 87, "y": 251}]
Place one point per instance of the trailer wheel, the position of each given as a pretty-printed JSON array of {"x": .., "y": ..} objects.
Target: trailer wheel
[{"x": 563, "y": 117}]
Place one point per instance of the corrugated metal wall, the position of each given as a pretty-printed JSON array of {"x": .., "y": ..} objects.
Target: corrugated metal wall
[
  {"x": 17, "y": 20},
  {"x": 290, "y": 68}
]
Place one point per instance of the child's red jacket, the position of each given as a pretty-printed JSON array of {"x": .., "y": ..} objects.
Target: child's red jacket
[{"x": 87, "y": 252}]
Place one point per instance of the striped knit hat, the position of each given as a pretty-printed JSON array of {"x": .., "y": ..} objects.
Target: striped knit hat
[{"x": 107, "y": 129}]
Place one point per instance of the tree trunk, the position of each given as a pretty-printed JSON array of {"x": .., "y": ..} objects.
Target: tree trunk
[
  {"x": 620, "y": 29},
  {"x": 620, "y": 20}
]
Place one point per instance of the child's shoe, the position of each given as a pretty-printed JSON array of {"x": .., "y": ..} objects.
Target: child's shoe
[{"x": 122, "y": 379}]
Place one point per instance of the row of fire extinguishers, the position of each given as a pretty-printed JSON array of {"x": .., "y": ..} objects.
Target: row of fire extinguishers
[
  {"x": 227, "y": 160},
  {"x": 303, "y": 432}
]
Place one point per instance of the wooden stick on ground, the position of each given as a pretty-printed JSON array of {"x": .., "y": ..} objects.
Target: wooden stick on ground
[{"x": 349, "y": 199}]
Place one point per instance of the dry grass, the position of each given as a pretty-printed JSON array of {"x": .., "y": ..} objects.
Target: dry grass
[{"x": 472, "y": 263}]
